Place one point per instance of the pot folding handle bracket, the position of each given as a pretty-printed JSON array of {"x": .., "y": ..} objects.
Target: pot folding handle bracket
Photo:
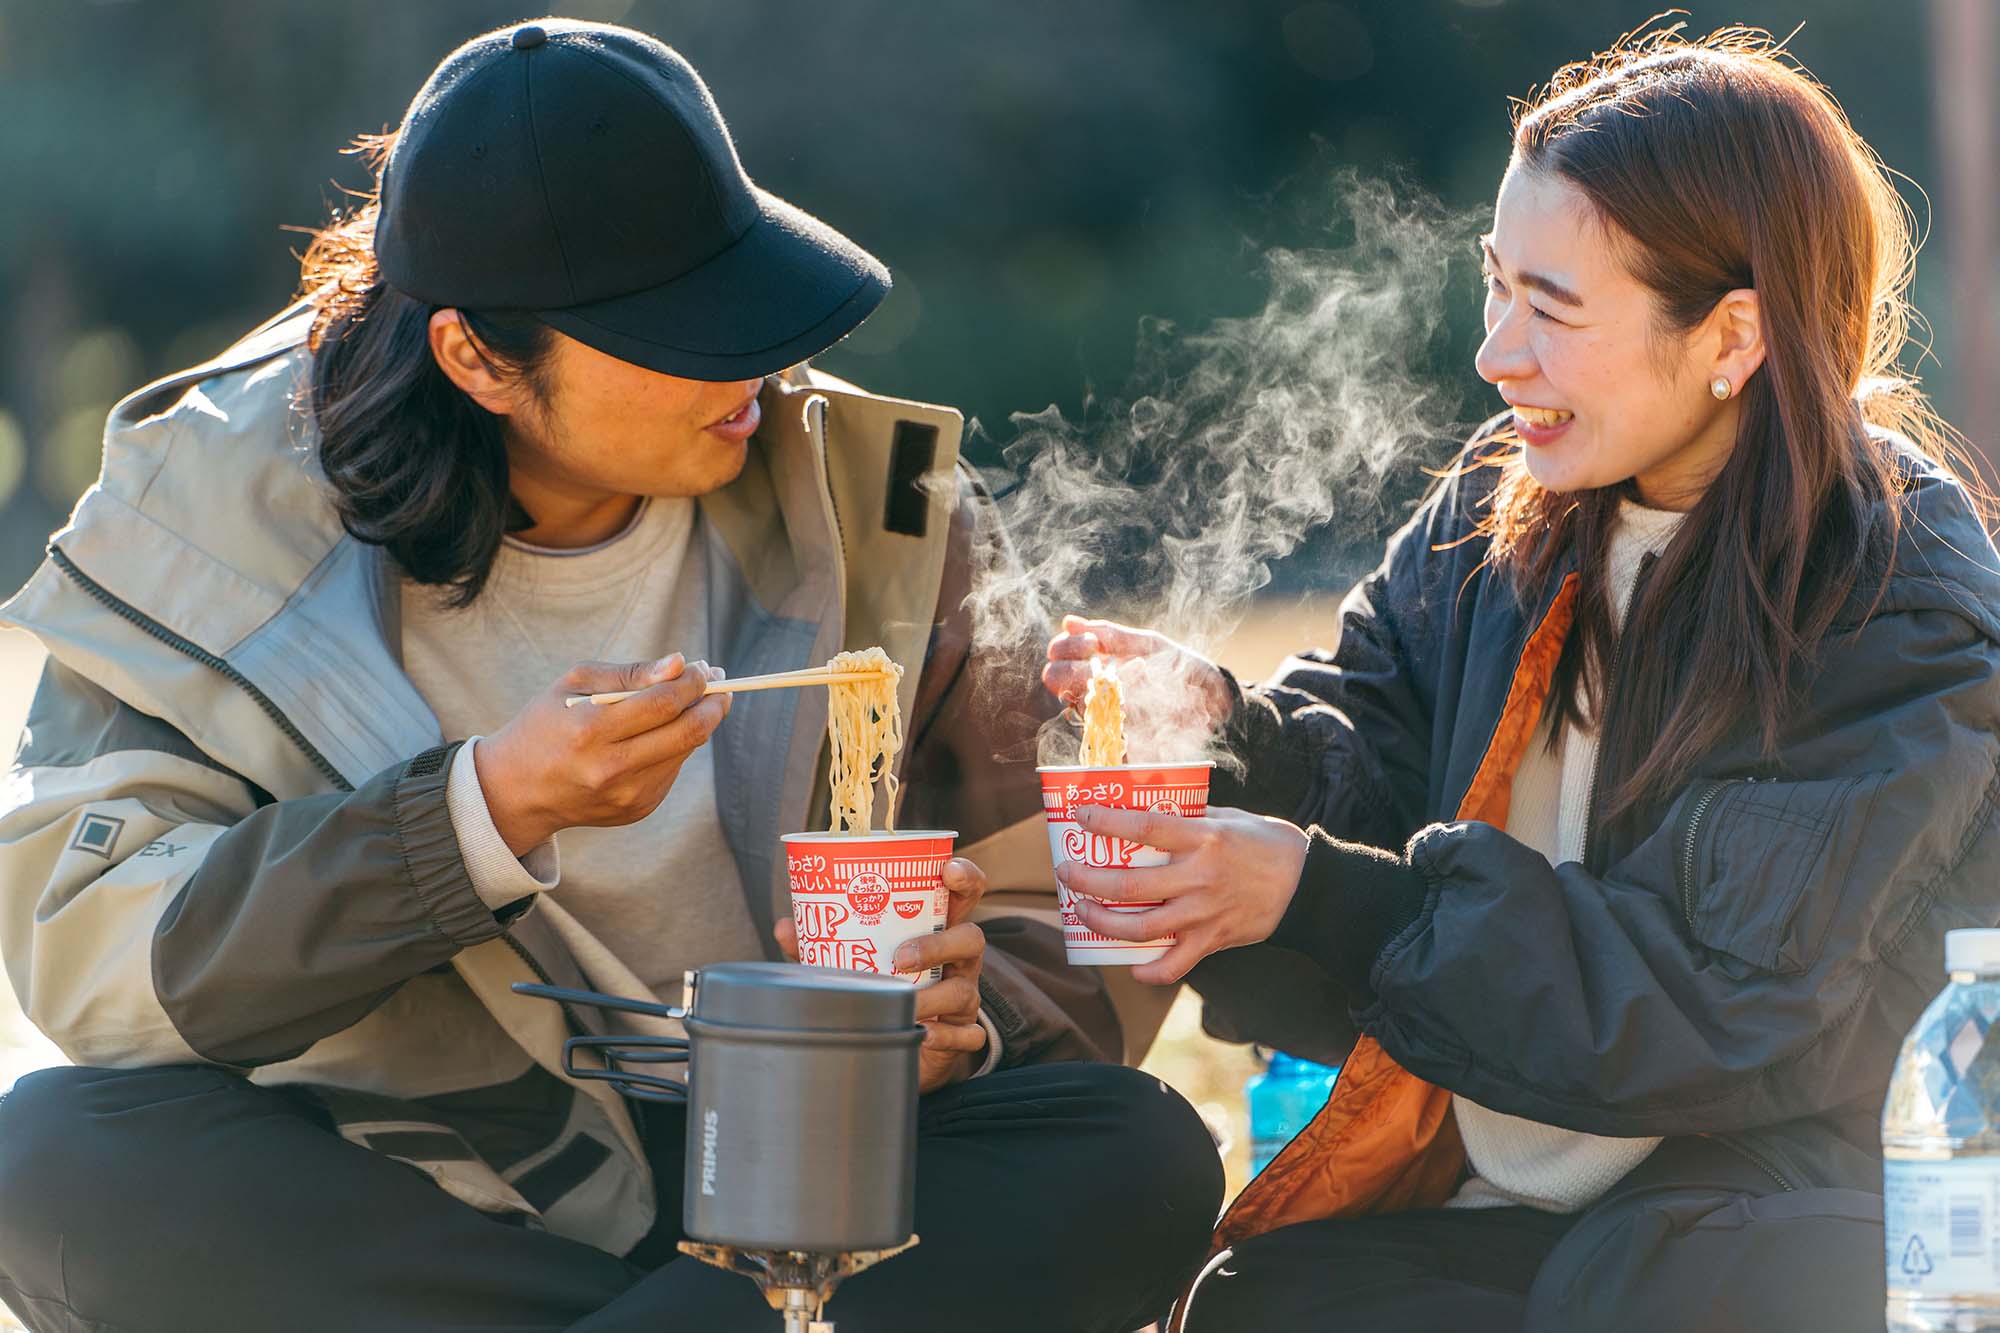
[{"x": 614, "y": 1051}]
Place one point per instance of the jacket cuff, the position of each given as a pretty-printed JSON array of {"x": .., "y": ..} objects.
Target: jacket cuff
[
  {"x": 430, "y": 850},
  {"x": 501, "y": 879},
  {"x": 1352, "y": 900},
  {"x": 1240, "y": 737},
  {"x": 1262, "y": 778}
]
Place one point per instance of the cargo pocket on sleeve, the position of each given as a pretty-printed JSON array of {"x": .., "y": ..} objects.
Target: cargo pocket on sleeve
[{"x": 1763, "y": 862}]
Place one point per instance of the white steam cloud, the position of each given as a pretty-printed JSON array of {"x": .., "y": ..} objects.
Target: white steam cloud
[{"x": 1167, "y": 508}]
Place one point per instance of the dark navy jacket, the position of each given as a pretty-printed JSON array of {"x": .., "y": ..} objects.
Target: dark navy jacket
[{"x": 1739, "y": 960}]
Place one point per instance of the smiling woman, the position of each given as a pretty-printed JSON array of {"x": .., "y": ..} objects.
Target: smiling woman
[
  {"x": 1710, "y": 323},
  {"x": 1651, "y": 766}
]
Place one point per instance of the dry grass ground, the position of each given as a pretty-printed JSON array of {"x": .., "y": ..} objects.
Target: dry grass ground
[{"x": 1208, "y": 1073}]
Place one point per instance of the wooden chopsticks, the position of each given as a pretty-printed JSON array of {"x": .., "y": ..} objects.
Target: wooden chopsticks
[{"x": 777, "y": 680}]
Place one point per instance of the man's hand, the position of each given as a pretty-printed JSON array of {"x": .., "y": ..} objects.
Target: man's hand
[
  {"x": 554, "y": 767},
  {"x": 1231, "y": 878},
  {"x": 954, "y": 1041}
]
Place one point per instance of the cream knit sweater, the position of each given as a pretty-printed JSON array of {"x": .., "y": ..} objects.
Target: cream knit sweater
[{"x": 1516, "y": 1161}]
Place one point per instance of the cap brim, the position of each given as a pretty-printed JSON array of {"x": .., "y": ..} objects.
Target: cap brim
[{"x": 788, "y": 289}]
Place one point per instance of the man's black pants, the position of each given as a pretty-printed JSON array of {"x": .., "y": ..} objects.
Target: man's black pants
[
  {"x": 1049, "y": 1198},
  {"x": 1699, "y": 1242}
]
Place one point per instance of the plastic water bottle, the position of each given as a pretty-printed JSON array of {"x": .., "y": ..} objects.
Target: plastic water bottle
[
  {"x": 1941, "y": 1152},
  {"x": 1283, "y": 1099}
]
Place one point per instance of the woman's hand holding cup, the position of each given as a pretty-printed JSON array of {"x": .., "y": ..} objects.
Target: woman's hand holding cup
[{"x": 1230, "y": 878}]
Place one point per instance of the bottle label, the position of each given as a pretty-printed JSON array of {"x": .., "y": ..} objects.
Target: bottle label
[{"x": 1943, "y": 1225}]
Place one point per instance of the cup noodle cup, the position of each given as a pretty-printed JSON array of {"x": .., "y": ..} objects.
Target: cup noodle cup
[
  {"x": 1180, "y": 789},
  {"x": 856, "y": 896}
]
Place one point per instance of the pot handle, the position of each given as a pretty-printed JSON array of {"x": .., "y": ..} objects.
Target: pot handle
[
  {"x": 615, "y": 1051},
  {"x": 566, "y": 995}
]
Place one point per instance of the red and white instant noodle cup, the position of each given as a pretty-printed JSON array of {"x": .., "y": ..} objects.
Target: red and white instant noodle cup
[
  {"x": 1178, "y": 789},
  {"x": 856, "y": 896}
]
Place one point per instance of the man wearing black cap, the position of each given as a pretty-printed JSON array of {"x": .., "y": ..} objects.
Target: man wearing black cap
[{"x": 301, "y": 798}]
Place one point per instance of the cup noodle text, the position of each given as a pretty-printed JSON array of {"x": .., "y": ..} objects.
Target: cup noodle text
[
  {"x": 1179, "y": 789},
  {"x": 855, "y": 898}
]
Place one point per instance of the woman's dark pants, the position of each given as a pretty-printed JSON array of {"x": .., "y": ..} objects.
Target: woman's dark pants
[{"x": 1697, "y": 1240}]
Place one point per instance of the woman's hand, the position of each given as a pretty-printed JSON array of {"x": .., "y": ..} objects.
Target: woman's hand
[
  {"x": 1156, "y": 660},
  {"x": 554, "y": 767},
  {"x": 954, "y": 1041},
  {"x": 1231, "y": 878}
]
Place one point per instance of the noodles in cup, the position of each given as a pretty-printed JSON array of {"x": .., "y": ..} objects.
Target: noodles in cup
[
  {"x": 858, "y": 892},
  {"x": 1103, "y": 718}
]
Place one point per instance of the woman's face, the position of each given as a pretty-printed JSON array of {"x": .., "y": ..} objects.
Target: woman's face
[{"x": 1601, "y": 394}]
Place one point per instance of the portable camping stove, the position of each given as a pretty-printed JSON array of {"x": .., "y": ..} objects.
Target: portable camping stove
[{"x": 796, "y": 1283}]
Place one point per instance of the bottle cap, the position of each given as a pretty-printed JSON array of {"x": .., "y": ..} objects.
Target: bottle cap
[{"x": 1972, "y": 950}]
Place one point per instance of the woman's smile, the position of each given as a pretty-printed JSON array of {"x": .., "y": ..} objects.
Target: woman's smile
[{"x": 1541, "y": 426}]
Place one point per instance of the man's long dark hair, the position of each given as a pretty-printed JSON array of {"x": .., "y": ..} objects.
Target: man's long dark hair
[{"x": 416, "y": 466}]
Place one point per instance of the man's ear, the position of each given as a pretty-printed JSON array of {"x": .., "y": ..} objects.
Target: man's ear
[
  {"x": 459, "y": 357},
  {"x": 1736, "y": 328}
]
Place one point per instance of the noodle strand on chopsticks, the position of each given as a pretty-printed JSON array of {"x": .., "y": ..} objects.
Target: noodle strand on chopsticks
[
  {"x": 1103, "y": 717},
  {"x": 864, "y": 726}
]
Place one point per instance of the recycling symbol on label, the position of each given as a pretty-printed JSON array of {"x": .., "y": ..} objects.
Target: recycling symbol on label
[{"x": 1916, "y": 1259}]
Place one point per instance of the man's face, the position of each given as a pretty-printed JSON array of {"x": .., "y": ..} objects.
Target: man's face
[{"x": 607, "y": 426}]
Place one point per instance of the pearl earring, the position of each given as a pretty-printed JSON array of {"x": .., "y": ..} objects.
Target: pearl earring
[{"x": 1722, "y": 388}]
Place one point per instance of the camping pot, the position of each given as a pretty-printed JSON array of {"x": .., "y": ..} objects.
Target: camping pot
[
  {"x": 802, "y": 1109},
  {"x": 801, "y": 1099}
]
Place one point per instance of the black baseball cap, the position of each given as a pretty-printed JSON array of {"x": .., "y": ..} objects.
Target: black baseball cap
[{"x": 582, "y": 172}]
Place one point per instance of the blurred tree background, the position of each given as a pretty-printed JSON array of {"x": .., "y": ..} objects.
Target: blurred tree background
[{"x": 1039, "y": 175}]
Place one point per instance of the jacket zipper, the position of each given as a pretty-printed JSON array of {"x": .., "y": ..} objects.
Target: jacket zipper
[
  {"x": 832, "y": 509},
  {"x": 125, "y": 611},
  {"x": 1762, "y": 1162},
  {"x": 1690, "y": 841}
]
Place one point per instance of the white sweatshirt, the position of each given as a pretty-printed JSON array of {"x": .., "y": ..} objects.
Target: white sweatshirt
[{"x": 1516, "y": 1161}]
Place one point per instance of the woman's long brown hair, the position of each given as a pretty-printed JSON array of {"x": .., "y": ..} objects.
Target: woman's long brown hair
[{"x": 1718, "y": 164}]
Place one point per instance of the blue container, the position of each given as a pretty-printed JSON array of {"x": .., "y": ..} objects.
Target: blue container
[{"x": 1283, "y": 1100}]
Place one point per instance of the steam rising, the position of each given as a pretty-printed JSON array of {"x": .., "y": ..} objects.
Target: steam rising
[{"x": 1167, "y": 509}]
